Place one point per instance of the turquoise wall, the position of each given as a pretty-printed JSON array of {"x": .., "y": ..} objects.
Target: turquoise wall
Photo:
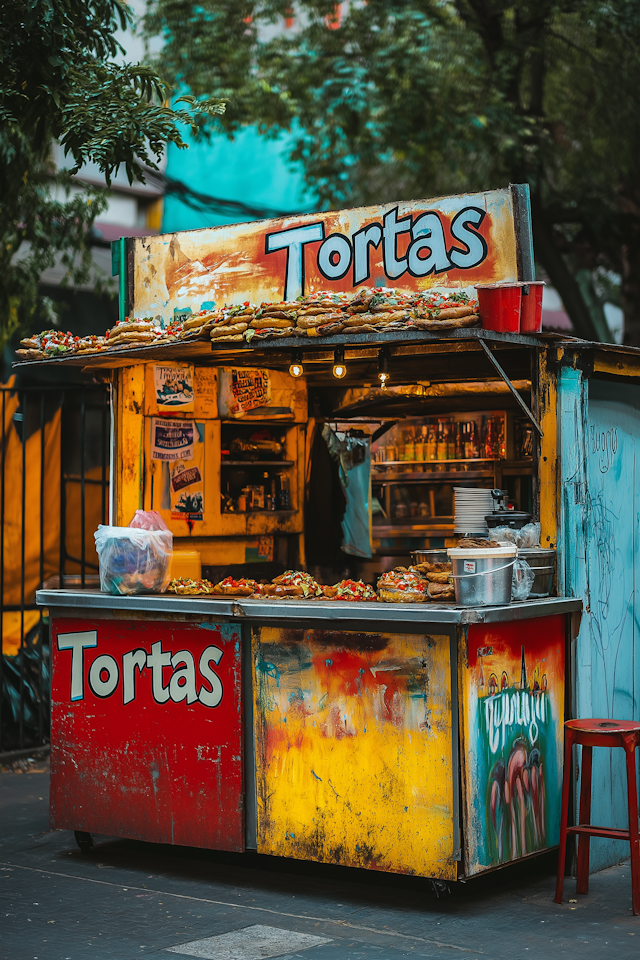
[{"x": 250, "y": 169}]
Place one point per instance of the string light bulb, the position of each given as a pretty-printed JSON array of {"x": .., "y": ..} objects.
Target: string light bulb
[
  {"x": 339, "y": 366},
  {"x": 296, "y": 369},
  {"x": 383, "y": 367}
]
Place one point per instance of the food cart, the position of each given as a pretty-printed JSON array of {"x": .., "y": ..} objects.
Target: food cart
[{"x": 419, "y": 738}]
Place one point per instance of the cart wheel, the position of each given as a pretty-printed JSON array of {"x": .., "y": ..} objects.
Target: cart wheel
[
  {"x": 440, "y": 889},
  {"x": 83, "y": 840}
]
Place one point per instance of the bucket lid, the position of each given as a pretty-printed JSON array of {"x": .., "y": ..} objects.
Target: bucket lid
[{"x": 471, "y": 553}]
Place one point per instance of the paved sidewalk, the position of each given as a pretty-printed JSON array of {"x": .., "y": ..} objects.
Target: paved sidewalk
[{"x": 128, "y": 900}]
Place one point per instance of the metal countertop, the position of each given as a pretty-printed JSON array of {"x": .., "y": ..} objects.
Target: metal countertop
[{"x": 317, "y": 611}]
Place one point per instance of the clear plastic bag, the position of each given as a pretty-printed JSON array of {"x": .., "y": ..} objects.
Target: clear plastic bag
[
  {"x": 148, "y": 520},
  {"x": 527, "y": 537},
  {"x": 133, "y": 560},
  {"x": 521, "y": 580}
]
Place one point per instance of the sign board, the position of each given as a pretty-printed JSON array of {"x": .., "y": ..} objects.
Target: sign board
[
  {"x": 448, "y": 243},
  {"x": 147, "y": 731}
]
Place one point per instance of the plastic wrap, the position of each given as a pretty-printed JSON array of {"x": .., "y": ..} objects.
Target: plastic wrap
[
  {"x": 521, "y": 580},
  {"x": 133, "y": 560},
  {"x": 527, "y": 537},
  {"x": 148, "y": 520}
]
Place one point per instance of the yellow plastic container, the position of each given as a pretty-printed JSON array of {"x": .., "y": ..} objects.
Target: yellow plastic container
[{"x": 187, "y": 564}]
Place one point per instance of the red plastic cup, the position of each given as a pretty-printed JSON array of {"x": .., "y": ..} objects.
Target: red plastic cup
[
  {"x": 531, "y": 310},
  {"x": 500, "y": 305}
]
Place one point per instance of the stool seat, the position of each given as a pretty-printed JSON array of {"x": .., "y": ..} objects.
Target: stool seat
[
  {"x": 603, "y": 725},
  {"x": 590, "y": 733}
]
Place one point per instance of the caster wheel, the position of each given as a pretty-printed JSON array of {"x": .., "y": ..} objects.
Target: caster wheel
[
  {"x": 83, "y": 840},
  {"x": 440, "y": 889}
]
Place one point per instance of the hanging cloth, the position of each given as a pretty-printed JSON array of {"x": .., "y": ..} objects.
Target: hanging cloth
[{"x": 354, "y": 457}]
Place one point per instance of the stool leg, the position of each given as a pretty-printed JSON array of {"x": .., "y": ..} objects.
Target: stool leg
[
  {"x": 584, "y": 840},
  {"x": 630, "y": 749},
  {"x": 564, "y": 813}
]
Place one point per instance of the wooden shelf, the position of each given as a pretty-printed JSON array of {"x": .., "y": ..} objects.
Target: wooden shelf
[
  {"x": 253, "y": 513},
  {"x": 257, "y": 463}
]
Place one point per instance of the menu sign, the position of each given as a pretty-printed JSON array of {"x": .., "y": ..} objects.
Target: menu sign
[{"x": 448, "y": 243}]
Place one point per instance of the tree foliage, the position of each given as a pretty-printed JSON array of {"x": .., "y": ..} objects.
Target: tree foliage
[
  {"x": 59, "y": 81},
  {"x": 393, "y": 99}
]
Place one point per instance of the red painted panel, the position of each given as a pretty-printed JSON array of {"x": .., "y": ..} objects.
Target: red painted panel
[{"x": 146, "y": 737}]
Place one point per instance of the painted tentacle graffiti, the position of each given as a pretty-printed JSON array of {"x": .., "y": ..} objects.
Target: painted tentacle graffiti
[{"x": 516, "y": 687}]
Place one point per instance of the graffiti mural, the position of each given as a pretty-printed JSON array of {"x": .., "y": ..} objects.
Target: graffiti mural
[
  {"x": 513, "y": 739},
  {"x": 354, "y": 760}
]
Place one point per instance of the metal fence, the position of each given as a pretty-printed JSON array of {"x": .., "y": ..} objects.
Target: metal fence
[{"x": 54, "y": 489}]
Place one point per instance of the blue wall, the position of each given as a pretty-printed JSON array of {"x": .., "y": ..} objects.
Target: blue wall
[
  {"x": 249, "y": 169},
  {"x": 600, "y": 457}
]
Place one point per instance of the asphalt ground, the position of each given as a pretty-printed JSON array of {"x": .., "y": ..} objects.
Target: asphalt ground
[{"x": 129, "y": 899}]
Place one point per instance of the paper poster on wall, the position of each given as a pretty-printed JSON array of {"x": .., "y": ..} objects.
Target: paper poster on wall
[
  {"x": 205, "y": 382},
  {"x": 174, "y": 387},
  {"x": 187, "y": 486},
  {"x": 172, "y": 439},
  {"x": 242, "y": 390}
]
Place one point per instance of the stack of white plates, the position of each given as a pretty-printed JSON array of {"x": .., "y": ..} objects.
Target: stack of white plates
[{"x": 471, "y": 505}]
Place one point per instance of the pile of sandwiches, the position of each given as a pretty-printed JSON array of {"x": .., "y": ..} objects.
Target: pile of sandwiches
[{"x": 322, "y": 314}]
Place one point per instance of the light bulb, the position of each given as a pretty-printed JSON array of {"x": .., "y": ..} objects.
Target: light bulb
[
  {"x": 339, "y": 370},
  {"x": 383, "y": 377},
  {"x": 295, "y": 370}
]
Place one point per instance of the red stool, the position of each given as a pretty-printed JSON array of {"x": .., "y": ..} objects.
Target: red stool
[{"x": 599, "y": 733}]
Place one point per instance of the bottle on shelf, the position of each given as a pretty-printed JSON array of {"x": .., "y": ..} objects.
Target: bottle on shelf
[
  {"x": 472, "y": 451},
  {"x": 451, "y": 440},
  {"x": 459, "y": 427},
  {"x": 432, "y": 444},
  {"x": 409, "y": 446},
  {"x": 266, "y": 486},
  {"x": 284, "y": 500},
  {"x": 501, "y": 440},
  {"x": 419, "y": 452},
  {"x": 442, "y": 442}
]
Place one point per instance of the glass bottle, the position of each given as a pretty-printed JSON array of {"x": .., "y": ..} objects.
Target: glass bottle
[
  {"x": 471, "y": 444},
  {"x": 409, "y": 446},
  {"x": 451, "y": 440},
  {"x": 419, "y": 445},
  {"x": 432, "y": 444},
  {"x": 284, "y": 499},
  {"x": 441, "y": 448},
  {"x": 459, "y": 426}
]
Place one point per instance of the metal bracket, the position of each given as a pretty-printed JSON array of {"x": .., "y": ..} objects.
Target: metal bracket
[{"x": 513, "y": 390}]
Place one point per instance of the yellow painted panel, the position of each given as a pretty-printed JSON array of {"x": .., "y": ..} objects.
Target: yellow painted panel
[
  {"x": 354, "y": 749},
  {"x": 129, "y": 427},
  {"x": 616, "y": 364},
  {"x": 547, "y": 400}
]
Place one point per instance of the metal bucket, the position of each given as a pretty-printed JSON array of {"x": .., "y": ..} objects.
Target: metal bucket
[
  {"x": 542, "y": 562},
  {"x": 483, "y": 577}
]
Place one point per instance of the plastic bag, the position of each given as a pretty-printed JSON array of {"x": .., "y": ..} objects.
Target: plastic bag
[
  {"x": 527, "y": 537},
  {"x": 522, "y": 579},
  {"x": 133, "y": 560},
  {"x": 148, "y": 520}
]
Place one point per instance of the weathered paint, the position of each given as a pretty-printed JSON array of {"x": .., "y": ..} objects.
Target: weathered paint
[
  {"x": 546, "y": 408},
  {"x": 601, "y": 516},
  {"x": 513, "y": 695},
  {"x": 135, "y": 752},
  {"x": 354, "y": 749},
  {"x": 128, "y": 451},
  {"x": 447, "y": 242}
]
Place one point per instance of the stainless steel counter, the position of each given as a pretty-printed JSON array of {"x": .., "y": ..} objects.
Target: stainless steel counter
[{"x": 357, "y": 614}]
